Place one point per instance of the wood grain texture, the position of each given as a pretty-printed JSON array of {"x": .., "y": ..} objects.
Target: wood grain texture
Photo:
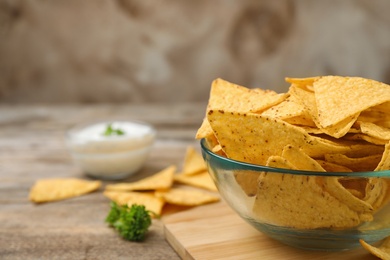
[
  {"x": 32, "y": 146},
  {"x": 214, "y": 231}
]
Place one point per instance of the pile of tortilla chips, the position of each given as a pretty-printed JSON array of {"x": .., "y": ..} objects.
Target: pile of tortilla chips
[
  {"x": 166, "y": 186},
  {"x": 192, "y": 187},
  {"x": 326, "y": 124}
]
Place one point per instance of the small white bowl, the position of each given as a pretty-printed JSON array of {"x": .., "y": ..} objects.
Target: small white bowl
[{"x": 113, "y": 156}]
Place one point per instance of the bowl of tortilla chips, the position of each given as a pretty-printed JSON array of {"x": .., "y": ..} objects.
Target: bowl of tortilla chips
[{"x": 307, "y": 167}]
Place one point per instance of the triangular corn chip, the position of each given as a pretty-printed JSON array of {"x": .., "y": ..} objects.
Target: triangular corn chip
[
  {"x": 46, "y": 190},
  {"x": 159, "y": 181},
  {"x": 129, "y": 198}
]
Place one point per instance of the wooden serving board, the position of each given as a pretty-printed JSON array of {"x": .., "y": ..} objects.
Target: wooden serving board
[{"x": 214, "y": 232}]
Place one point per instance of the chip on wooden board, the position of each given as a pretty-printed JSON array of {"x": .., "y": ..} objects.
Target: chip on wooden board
[
  {"x": 187, "y": 197},
  {"x": 159, "y": 181},
  {"x": 151, "y": 202},
  {"x": 46, "y": 190},
  {"x": 382, "y": 251}
]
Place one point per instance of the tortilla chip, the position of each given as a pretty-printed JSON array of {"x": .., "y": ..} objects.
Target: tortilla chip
[
  {"x": 193, "y": 162},
  {"x": 300, "y": 160},
  {"x": 302, "y": 82},
  {"x": 253, "y": 138},
  {"x": 308, "y": 100},
  {"x": 47, "y": 190},
  {"x": 333, "y": 167},
  {"x": 338, "y": 98},
  {"x": 298, "y": 201},
  {"x": 159, "y": 181},
  {"x": 367, "y": 163},
  {"x": 227, "y": 95},
  {"x": 382, "y": 252},
  {"x": 247, "y": 180},
  {"x": 129, "y": 198},
  {"x": 374, "y": 130},
  {"x": 200, "y": 180},
  {"x": 187, "y": 197}
]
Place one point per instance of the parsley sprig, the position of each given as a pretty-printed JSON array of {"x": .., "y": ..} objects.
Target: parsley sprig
[{"x": 111, "y": 131}]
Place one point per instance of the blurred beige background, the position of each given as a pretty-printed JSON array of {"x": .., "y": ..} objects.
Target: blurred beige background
[{"x": 169, "y": 51}]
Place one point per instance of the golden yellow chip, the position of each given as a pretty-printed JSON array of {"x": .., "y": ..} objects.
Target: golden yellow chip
[
  {"x": 300, "y": 160},
  {"x": 253, "y": 138},
  {"x": 382, "y": 252},
  {"x": 159, "y": 181},
  {"x": 361, "y": 164},
  {"x": 46, "y": 190},
  {"x": 247, "y": 181},
  {"x": 374, "y": 130},
  {"x": 338, "y": 98},
  {"x": 187, "y": 197},
  {"x": 229, "y": 96},
  {"x": 129, "y": 198},
  {"x": 299, "y": 201},
  {"x": 193, "y": 162},
  {"x": 333, "y": 167},
  {"x": 302, "y": 82},
  {"x": 308, "y": 100},
  {"x": 200, "y": 180}
]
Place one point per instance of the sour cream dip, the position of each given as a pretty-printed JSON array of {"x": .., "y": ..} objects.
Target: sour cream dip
[{"x": 111, "y": 149}]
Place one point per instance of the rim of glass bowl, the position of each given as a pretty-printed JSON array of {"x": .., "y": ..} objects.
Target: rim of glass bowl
[{"x": 231, "y": 164}]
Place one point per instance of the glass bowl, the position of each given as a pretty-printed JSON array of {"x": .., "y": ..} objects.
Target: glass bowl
[
  {"x": 110, "y": 156},
  {"x": 294, "y": 212}
]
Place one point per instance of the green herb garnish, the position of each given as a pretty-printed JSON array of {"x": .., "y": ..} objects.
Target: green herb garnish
[
  {"x": 111, "y": 131},
  {"x": 132, "y": 223}
]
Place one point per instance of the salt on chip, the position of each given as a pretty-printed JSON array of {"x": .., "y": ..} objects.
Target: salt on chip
[
  {"x": 161, "y": 180},
  {"x": 129, "y": 198},
  {"x": 47, "y": 190},
  {"x": 338, "y": 98},
  {"x": 298, "y": 201},
  {"x": 382, "y": 252},
  {"x": 187, "y": 197},
  {"x": 200, "y": 180},
  {"x": 193, "y": 162}
]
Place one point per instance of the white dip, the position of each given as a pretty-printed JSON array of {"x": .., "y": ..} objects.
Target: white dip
[{"x": 111, "y": 156}]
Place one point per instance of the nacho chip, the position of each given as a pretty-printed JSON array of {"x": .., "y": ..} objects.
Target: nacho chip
[
  {"x": 247, "y": 180},
  {"x": 159, "y": 181},
  {"x": 253, "y": 138},
  {"x": 129, "y": 198},
  {"x": 333, "y": 167},
  {"x": 367, "y": 163},
  {"x": 298, "y": 201},
  {"x": 227, "y": 95},
  {"x": 47, "y": 190},
  {"x": 300, "y": 160},
  {"x": 302, "y": 82},
  {"x": 338, "y": 98},
  {"x": 308, "y": 100},
  {"x": 374, "y": 130},
  {"x": 193, "y": 162},
  {"x": 200, "y": 180},
  {"x": 187, "y": 197},
  {"x": 382, "y": 252}
]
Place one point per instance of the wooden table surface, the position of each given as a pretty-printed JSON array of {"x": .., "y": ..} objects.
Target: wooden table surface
[{"x": 32, "y": 147}]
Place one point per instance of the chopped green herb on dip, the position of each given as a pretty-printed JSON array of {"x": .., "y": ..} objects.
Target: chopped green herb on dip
[{"x": 111, "y": 131}]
